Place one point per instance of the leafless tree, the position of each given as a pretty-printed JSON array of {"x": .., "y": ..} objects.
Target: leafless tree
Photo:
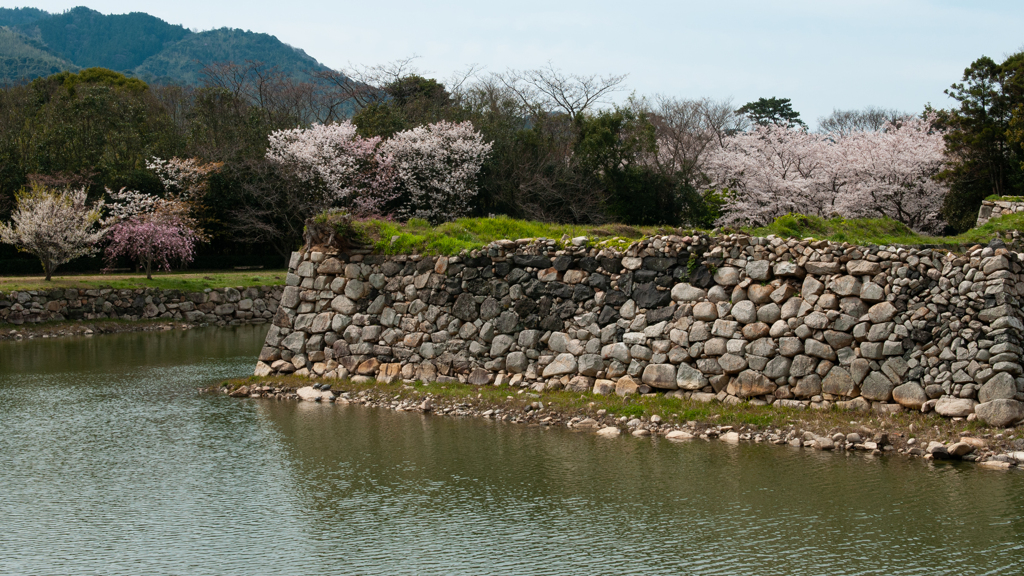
[
  {"x": 870, "y": 119},
  {"x": 358, "y": 86},
  {"x": 686, "y": 130},
  {"x": 552, "y": 90}
]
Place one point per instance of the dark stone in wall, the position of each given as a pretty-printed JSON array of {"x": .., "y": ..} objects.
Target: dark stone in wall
[
  {"x": 658, "y": 264},
  {"x": 507, "y": 322},
  {"x": 534, "y": 288},
  {"x": 616, "y": 298},
  {"x": 565, "y": 310},
  {"x": 516, "y": 276},
  {"x": 501, "y": 268},
  {"x": 641, "y": 276},
  {"x": 552, "y": 323},
  {"x": 532, "y": 261},
  {"x": 588, "y": 264},
  {"x": 701, "y": 277},
  {"x": 648, "y": 296},
  {"x": 465, "y": 308},
  {"x": 607, "y": 316},
  {"x": 610, "y": 265},
  {"x": 559, "y": 290},
  {"x": 562, "y": 262},
  {"x": 525, "y": 307},
  {"x": 626, "y": 284},
  {"x": 598, "y": 281},
  {"x": 582, "y": 293},
  {"x": 660, "y": 314}
]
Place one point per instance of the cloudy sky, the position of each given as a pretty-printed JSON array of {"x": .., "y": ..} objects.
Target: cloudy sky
[{"x": 821, "y": 54}]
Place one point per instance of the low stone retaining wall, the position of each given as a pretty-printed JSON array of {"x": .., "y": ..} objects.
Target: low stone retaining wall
[
  {"x": 732, "y": 318},
  {"x": 220, "y": 306},
  {"x": 995, "y": 208}
]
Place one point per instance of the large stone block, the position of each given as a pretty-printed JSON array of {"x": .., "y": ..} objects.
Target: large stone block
[
  {"x": 748, "y": 384},
  {"x": 838, "y": 382},
  {"x": 1000, "y": 413},
  {"x": 661, "y": 376}
]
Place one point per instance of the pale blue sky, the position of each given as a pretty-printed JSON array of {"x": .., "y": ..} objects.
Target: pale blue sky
[{"x": 821, "y": 54}]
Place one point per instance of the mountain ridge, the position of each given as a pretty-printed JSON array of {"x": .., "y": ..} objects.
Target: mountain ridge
[{"x": 36, "y": 43}]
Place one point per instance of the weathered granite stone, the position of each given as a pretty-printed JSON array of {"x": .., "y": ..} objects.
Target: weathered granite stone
[
  {"x": 749, "y": 384},
  {"x": 1000, "y": 412},
  {"x": 838, "y": 382},
  {"x": 910, "y": 395}
]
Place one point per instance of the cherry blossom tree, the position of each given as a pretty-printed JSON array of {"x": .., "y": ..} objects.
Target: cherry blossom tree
[
  {"x": 768, "y": 172},
  {"x": 436, "y": 168},
  {"x": 892, "y": 173},
  {"x": 184, "y": 178},
  {"x": 346, "y": 169},
  {"x": 157, "y": 233},
  {"x": 57, "y": 226},
  {"x": 774, "y": 170}
]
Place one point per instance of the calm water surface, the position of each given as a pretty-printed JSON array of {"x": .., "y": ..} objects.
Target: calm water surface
[{"x": 112, "y": 463}]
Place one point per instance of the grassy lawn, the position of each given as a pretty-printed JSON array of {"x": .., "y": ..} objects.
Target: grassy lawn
[{"x": 185, "y": 281}]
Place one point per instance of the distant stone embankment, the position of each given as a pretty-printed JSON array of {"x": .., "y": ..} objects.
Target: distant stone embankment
[
  {"x": 802, "y": 324},
  {"x": 216, "y": 306}
]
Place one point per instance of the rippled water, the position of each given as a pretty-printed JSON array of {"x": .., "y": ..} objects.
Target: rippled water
[{"x": 112, "y": 463}]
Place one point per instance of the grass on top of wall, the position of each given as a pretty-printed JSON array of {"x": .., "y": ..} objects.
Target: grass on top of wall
[
  {"x": 419, "y": 237},
  {"x": 882, "y": 231}
]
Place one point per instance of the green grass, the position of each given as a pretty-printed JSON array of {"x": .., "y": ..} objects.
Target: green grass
[
  {"x": 184, "y": 281},
  {"x": 882, "y": 231},
  {"x": 998, "y": 198},
  {"x": 419, "y": 237}
]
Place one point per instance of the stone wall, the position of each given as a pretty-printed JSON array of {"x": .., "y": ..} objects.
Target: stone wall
[
  {"x": 732, "y": 318},
  {"x": 221, "y": 306},
  {"x": 995, "y": 208}
]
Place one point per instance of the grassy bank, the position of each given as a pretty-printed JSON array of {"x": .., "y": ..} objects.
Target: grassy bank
[
  {"x": 563, "y": 405},
  {"x": 882, "y": 231},
  {"x": 184, "y": 281},
  {"x": 419, "y": 237}
]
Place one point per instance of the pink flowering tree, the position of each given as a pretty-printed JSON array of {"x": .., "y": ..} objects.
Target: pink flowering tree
[
  {"x": 436, "y": 168},
  {"x": 56, "y": 226},
  {"x": 774, "y": 170},
  {"x": 151, "y": 231},
  {"x": 344, "y": 169},
  {"x": 768, "y": 172},
  {"x": 892, "y": 171}
]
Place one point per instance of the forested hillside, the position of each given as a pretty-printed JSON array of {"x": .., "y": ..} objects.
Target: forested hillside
[
  {"x": 35, "y": 43},
  {"x": 182, "y": 62},
  {"x": 22, "y": 57}
]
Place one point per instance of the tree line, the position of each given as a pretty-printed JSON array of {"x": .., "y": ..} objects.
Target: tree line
[{"x": 556, "y": 149}]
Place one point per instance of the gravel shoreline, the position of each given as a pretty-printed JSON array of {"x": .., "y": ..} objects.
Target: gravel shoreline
[{"x": 528, "y": 408}]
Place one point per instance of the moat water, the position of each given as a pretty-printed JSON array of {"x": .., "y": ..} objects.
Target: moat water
[{"x": 112, "y": 462}]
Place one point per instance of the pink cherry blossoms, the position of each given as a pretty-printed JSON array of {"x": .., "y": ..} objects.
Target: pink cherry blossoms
[
  {"x": 774, "y": 170},
  {"x": 427, "y": 172},
  {"x": 436, "y": 167},
  {"x": 151, "y": 231},
  {"x": 346, "y": 169}
]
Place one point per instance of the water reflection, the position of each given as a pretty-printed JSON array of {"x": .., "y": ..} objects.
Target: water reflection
[{"x": 110, "y": 462}]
